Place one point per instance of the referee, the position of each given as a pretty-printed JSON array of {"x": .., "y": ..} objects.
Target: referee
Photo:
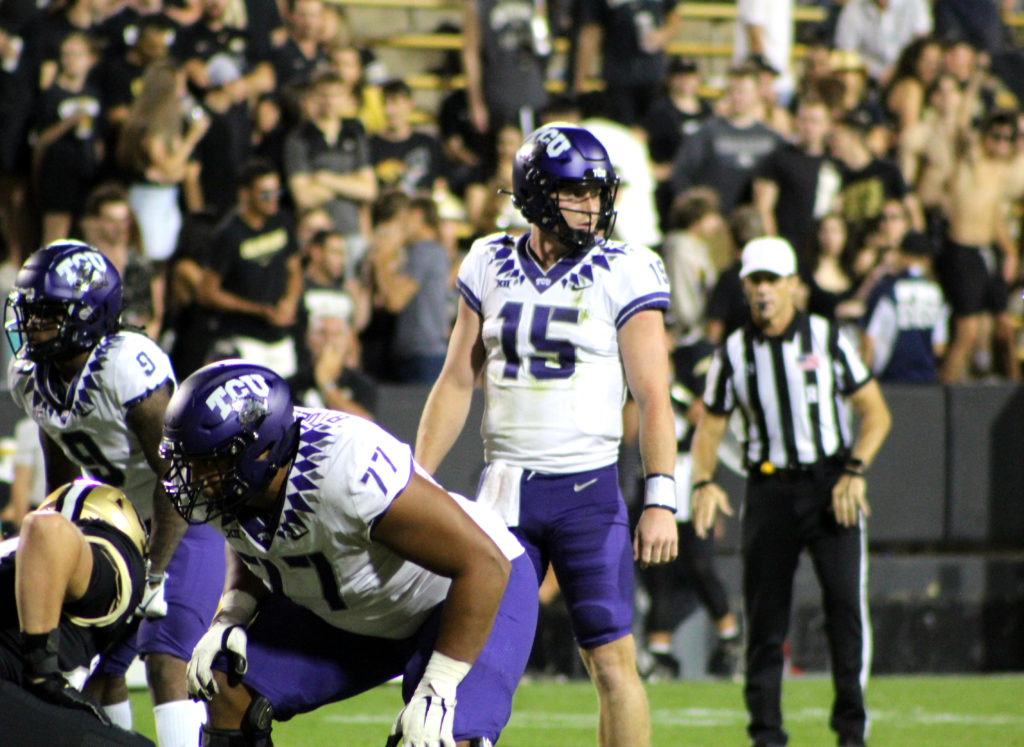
[{"x": 793, "y": 377}]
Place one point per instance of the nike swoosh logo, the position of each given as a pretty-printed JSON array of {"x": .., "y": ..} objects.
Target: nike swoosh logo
[{"x": 577, "y": 487}]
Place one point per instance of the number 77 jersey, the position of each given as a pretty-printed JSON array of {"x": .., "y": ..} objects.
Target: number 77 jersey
[
  {"x": 89, "y": 421},
  {"x": 554, "y": 382}
]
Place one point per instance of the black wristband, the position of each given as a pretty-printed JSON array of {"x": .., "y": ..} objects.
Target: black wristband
[
  {"x": 700, "y": 484},
  {"x": 853, "y": 472}
]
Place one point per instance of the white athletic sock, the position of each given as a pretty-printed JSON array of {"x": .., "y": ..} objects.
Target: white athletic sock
[
  {"x": 178, "y": 722},
  {"x": 120, "y": 714}
]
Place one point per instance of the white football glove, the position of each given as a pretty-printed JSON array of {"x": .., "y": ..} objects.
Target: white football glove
[
  {"x": 226, "y": 635},
  {"x": 153, "y": 604},
  {"x": 429, "y": 716},
  {"x": 221, "y": 637}
]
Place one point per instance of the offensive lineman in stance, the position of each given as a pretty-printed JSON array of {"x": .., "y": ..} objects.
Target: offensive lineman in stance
[
  {"x": 558, "y": 322},
  {"x": 98, "y": 394},
  {"x": 69, "y": 585},
  {"x": 348, "y": 566}
]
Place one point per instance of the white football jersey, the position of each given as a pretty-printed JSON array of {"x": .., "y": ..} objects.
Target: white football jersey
[
  {"x": 554, "y": 382},
  {"x": 90, "y": 423},
  {"x": 345, "y": 476}
]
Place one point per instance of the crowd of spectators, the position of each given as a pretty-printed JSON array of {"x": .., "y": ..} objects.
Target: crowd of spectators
[{"x": 266, "y": 189}]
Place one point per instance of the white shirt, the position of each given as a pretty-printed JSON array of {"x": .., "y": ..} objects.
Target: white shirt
[
  {"x": 553, "y": 380},
  {"x": 638, "y": 215},
  {"x": 345, "y": 476},
  {"x": 91, "y": 425},
  {"x": 880, "y": 35},
  {"x": 775, "y": 17}
]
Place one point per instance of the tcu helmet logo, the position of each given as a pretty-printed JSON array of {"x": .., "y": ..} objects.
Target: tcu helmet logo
[
  {"x": 556, "y": 141},
  {"x": 81, "y": 269},
  {"x": 235, "y": 394}
]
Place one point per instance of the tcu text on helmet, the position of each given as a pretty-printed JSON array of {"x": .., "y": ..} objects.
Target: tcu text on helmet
[
  {"x": 234, "y": 390},
  {"x": 81, "y": 268},
  {"x": 555, "y": 140}
]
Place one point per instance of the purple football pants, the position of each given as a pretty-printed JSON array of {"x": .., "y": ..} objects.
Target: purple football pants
[
  {"x": 195, "y": 580},
  {"x": 578, "y": 523},
  {"x": 299, "y": 662}
]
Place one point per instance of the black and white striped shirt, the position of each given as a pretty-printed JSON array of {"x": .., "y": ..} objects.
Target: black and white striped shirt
[{"x": 790, "y": 389}]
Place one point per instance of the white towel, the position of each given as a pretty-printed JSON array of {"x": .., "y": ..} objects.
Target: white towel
[{"x": 499, "y": 491}]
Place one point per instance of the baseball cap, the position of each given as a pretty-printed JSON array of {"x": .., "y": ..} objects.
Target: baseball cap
[{"x": 768, "y": 254}]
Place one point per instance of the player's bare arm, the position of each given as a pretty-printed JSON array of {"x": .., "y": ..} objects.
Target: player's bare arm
[
  {"x": 146, "y": 421},
  {"x": 641, "y": 344},
  {"x": 59, "y": 467},
  {"x": 238, "y": 576},
  {"x": 447, "y": 406},
  {"x": 424, "y": 525}
]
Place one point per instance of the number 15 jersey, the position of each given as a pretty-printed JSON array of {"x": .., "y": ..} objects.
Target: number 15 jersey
[
  {"x": 554, "y": 383},
  {"x": 90, "y": 422}
]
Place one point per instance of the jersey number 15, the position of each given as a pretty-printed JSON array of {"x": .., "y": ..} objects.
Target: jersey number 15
[{"x": 557, "y": 359}]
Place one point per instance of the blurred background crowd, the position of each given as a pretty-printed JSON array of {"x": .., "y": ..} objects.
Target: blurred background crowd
[{"x": 269, "y": 185}]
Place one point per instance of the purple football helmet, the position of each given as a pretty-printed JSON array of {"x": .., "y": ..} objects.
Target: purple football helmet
[
  {"x": 227, "y": 430},
  {"x": 66, "y": 286},
  {"x": 558, "y": 156}
]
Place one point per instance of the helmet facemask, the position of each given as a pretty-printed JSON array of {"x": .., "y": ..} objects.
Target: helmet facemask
[
  {"x": 69, "y": 287},
  {"x": 561, "y": 157},
  {"x": 25, "y": 320},
  {"x": 600, "y": 223}
]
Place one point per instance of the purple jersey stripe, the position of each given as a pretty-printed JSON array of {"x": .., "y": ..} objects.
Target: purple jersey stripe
[
  {"x": 657, "y": 300},
  {"x": 471, "y": 299}
]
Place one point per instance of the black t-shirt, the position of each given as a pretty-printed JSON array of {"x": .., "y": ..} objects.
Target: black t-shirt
[
  {"x": 667, "y": 127},
  {"x": 797, "y": 174},
  {"x": 624, "y": 24},
  {"x": 292, "y": 67},
  {"x": 865, "y": 190},
  {"x": 306, "y": 150},
  {"x": 728, "y": 304},
  {"x": 56, "y": 104},
  {"x": 45, "y": 33},
  {"x": 821, "y": 301},
  {"x": 253, "y": 263},
  {"x": 121, "y": 81},
  {"x": 120, "y": 31},
  {"x": 236, "y": 50},
  {"x": 410, "y": 165}
]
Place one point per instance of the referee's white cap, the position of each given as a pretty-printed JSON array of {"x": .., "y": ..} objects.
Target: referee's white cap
[{"x": 768, "y": 254}]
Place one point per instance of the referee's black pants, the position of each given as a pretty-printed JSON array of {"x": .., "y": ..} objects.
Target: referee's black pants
[{"x": 784, "y": 513}]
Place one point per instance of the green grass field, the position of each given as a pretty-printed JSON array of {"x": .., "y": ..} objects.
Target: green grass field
[{"x": 965, "y": 711}]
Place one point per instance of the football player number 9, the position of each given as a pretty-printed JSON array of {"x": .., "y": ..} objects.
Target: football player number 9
[
  {"x": 559, "y": 359},
  {"x": 84, "y": 451}
]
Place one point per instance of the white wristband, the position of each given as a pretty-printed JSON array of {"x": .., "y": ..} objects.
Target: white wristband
[
  {"x": 236, "y": 608},
  {"x": 443, "y": 673},
  {"x": 660, "y": 492}
]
